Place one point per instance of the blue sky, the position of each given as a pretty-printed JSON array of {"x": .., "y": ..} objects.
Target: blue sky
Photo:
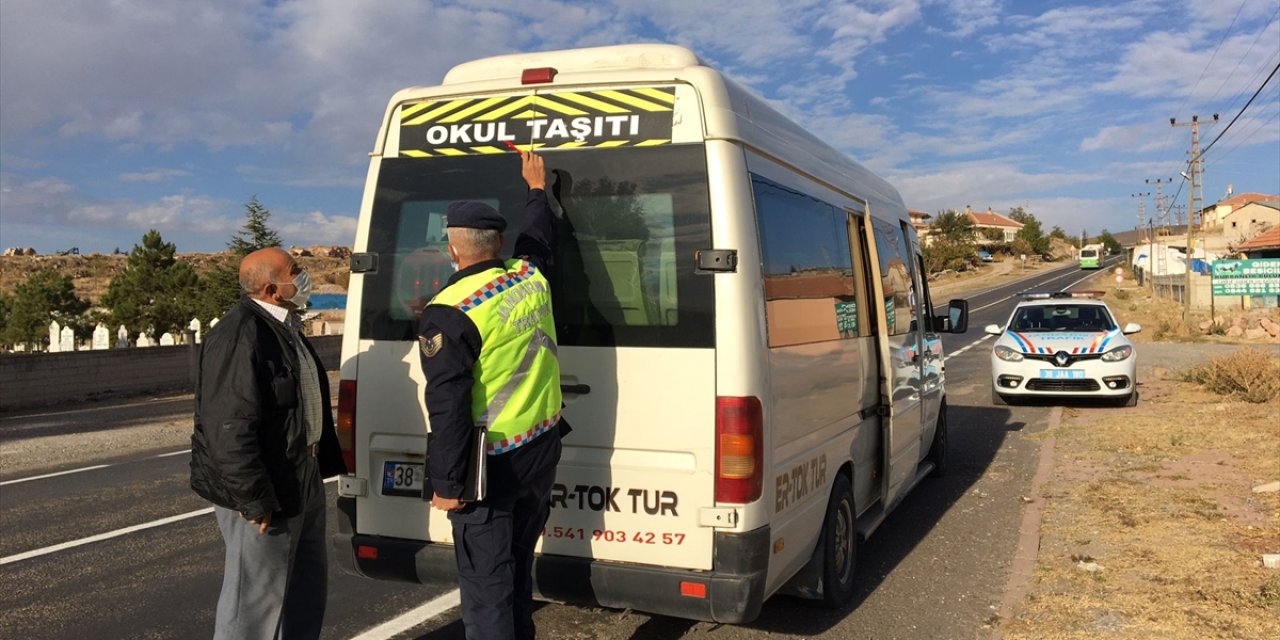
[{"x": 117, "y": 117}]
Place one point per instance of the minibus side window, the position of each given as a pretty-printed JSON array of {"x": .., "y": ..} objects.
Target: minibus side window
[
  {"x": 895, "y": 277},
  {"x": 808, "y": 270}
]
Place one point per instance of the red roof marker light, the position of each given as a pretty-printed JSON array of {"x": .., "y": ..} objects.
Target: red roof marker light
[{"x": 539, "y": 75}]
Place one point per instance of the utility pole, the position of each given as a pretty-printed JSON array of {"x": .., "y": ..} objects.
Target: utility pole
[
  {"x": 1162, "y": 207},
  {"x": 1195, "y": 195},
  {"x": 1142, "y": 209},
  {"x": 1137, "y": 240}
]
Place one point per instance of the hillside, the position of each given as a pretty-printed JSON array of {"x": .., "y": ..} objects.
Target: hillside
[{"x": 91, "y": 274}]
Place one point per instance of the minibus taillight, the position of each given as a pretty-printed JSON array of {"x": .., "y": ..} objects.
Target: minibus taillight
[
  {"x": 739, "y": 449},
  {"x": 345, "y": 424}
]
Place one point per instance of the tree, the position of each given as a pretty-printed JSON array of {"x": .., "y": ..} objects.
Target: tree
[
  {"x": 951, "y": 242},
  {"x": 1030, "y": 233},
  {"x": 155, "y": 290},
  {"x": 220, "y": 287},
  {"x": 255, "y": 234},
  {"x": 44, "y": 297},
  {"x": 219, "y": 291},
  {"x": 1107, "y": 240}
]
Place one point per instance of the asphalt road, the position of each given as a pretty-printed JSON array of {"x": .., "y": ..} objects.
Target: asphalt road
[{"x": 125, "y": 550}]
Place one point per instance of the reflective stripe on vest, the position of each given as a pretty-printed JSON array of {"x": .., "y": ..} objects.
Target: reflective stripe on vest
[{"x": 522, "y": 379}]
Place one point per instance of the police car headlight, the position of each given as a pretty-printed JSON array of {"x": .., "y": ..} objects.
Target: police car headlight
[
  {"x": 1007, "y": 354},
  {"x": 1117, "y": 354}
]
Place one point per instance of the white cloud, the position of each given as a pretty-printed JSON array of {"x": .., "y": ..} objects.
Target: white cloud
[
  {"x": 159, "y": 175},
  {"x": 972, "y": 16},
  {"x": 316, "y": 228}
]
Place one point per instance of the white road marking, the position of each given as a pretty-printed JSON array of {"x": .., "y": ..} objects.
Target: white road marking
[
  {"x": 67, "y": 412},
  {"x": 54, "y": 475},
  {"x": 412, "y": 618},
  {"x": 35, "y": 553},
  {"x": 89, "y": 468},
  {"x": 103, "y": 536}
]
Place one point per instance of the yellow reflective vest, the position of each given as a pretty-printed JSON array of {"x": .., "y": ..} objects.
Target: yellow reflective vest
[{"x": 517, "y": 378}]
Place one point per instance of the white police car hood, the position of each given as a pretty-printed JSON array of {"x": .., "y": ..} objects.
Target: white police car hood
[{"x": 1072, "y": 342}]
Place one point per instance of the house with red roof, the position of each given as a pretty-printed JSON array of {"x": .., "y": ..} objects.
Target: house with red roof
[
  {"x": 1263, "y": 245},
  {"x": 1216, "y": 215},
  {"x": 1007, "y": 227}
]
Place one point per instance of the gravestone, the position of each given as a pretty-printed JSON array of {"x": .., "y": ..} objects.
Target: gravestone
[
  {"x": 68, "y": 341},
  {"x": 101, "y": 338},
  {"x": 55, "y": 336},
  {"x": 166, "y": 339},
  {"x": 195, "y": 328},
  {"x": 143, "y": 340},
  {"x": 122, "y": 338}
]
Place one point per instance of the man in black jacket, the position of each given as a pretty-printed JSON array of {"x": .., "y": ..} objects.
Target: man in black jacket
[{"x": 263, "y": 441}]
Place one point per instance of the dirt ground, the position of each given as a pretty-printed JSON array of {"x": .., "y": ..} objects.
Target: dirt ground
[
  {"x": 91, "y": 274},
  {"x": 1152, "y": 527}
]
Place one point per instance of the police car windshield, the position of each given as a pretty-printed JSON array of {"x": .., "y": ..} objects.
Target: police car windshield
[
  {"x": 1062, "y": 317},
  {"x": 621, "y": 275}
]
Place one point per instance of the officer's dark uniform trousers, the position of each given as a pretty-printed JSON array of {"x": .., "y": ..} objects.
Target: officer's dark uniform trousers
[{"x": 485, "y": 535}]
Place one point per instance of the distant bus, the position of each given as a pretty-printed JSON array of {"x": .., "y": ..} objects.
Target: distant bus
[{"x": 1091, "y": 256}]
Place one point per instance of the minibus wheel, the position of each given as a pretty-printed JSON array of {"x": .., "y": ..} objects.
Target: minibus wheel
[
  {"x": 938, "y": 449},
  {"x": 840, "y": 545}
]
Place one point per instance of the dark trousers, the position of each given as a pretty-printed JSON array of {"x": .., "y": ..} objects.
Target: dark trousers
[
  {"x": 274, "y": 584},
  {"x": 493, "y": 542}
]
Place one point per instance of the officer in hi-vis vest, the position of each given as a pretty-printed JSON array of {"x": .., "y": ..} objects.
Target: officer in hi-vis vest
[{"x": 488, "y": 350}]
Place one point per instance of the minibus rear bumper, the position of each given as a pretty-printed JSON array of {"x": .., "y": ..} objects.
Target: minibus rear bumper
[{"x": 732, "y": 592}]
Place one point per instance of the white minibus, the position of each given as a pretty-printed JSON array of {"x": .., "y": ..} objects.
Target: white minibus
[{"x": 749, "y": 358}]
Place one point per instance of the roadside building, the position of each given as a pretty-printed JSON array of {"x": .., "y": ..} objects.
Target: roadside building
[
  {"x": 1002, "y": 227},
  {"x": 920, "y": 220},
  {"x": 1220, "y": 214},
  {"x": 1263, "y": 245}
]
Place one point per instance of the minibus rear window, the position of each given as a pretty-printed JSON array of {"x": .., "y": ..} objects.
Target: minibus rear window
[{"x": 623, "y": 272}]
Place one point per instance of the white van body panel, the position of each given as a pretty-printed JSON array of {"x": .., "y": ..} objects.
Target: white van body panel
[{"x": 636, "y": 484}]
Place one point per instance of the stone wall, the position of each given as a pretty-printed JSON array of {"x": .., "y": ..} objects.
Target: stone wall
[{"x": 29, "y": 380}]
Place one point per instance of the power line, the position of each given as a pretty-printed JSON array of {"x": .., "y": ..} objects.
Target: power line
[
  {"x": 1244, "y": 57},
  {"x": 1272, "y": 59},
  {"x": 1259, "y": 124},
  {"x": 1242, "y": 110}
]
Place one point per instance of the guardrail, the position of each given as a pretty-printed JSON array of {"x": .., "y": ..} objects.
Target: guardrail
[{"x": 29, "y": 380}]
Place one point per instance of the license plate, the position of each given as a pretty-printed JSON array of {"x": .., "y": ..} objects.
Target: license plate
[
  {"x": 403, "y": 479},
  {"x": 1062, "y": 374}
]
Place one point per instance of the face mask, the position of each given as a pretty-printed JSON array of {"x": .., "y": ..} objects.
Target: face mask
[
  {"x": 302, "y": 283},
  {"x": 453, "y": 262}
]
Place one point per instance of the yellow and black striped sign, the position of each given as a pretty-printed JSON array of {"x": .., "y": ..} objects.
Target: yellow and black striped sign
[{"x": 569, "y": 120}]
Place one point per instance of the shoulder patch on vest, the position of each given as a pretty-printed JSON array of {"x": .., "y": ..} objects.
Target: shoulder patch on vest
[{"x": 431, "y": 346}]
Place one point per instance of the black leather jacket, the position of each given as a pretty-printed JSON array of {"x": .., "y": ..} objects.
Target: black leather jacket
[{"x": 249, "y": 447}]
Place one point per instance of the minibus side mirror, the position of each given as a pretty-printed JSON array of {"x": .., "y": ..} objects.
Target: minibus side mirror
[{"x": 957, "y": 318}]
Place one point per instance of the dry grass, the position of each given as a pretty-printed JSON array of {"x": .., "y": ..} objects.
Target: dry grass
[
  {"x": 1165, "y": 319},
  {"x": 1159, "y": 497},
  {"x": 1251, "y": 375}
]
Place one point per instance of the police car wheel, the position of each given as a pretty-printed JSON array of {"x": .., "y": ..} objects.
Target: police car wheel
[
  {"x": 1130, "y": 400},
  {"x": 938, "y": 449},
  {"x": 839, "y": 545}
]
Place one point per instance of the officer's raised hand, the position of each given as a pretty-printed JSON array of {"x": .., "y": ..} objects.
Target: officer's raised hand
[{"x": 533, "y": 169}]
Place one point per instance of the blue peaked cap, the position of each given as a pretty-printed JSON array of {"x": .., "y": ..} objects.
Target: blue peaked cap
[{"x": 474, "y": 215}]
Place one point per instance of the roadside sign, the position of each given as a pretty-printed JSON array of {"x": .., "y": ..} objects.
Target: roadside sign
[{"x": 1246, "y": 277}]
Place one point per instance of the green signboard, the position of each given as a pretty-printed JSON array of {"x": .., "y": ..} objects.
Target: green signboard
[
  {"x": 1246, "y": 277},
  {"x": 847, "y": 319}
]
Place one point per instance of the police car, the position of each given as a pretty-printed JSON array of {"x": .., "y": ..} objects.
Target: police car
[{"x": 1063, "y": 344}]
